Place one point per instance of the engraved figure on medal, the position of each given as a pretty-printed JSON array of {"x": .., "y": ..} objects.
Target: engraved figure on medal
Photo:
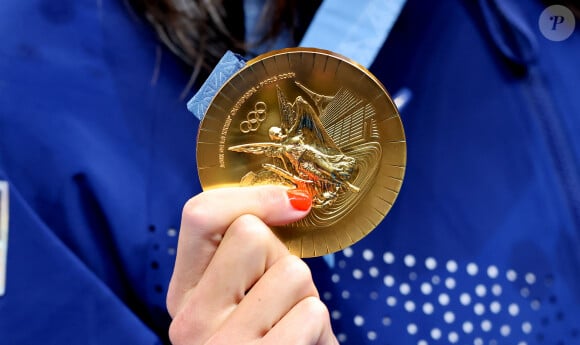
[
  {"x": 313, "y": 120},
  {"x": 326, "y": 145}
]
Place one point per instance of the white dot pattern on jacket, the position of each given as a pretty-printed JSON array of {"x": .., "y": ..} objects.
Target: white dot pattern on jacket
[{"x": 393, "y": 298}]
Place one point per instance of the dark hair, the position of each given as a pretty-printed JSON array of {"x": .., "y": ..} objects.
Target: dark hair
[{"x": 200, "y": 31}]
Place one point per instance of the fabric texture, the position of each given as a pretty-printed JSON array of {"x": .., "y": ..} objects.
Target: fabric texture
[{"x": 99, "y": 152}]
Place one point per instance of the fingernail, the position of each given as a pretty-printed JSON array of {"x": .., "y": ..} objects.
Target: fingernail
[{"x": 299, "y": 199}]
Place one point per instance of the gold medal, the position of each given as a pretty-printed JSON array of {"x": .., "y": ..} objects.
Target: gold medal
[{"x": 313, "y": 120}]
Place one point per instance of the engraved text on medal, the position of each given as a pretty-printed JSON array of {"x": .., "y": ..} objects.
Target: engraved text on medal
[{"x": 238, "y": 105}]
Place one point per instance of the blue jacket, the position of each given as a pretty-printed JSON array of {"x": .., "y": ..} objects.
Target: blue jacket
[{"x": 482, "y": 245}]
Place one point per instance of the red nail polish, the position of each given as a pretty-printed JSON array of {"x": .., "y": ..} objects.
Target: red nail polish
[{"x": 299, "y": 199}]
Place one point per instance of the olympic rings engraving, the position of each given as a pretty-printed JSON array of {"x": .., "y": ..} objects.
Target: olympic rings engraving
[{"x": 254, "y": 118}]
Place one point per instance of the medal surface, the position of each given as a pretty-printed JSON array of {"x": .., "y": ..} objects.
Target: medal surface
[{"x": 313, "y": 120}]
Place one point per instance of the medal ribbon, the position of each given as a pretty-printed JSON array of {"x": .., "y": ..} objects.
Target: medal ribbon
[{"x": 357, "y": 32}]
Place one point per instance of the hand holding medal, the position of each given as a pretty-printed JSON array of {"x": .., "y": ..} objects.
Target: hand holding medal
[{"x": 320, "y": 146}]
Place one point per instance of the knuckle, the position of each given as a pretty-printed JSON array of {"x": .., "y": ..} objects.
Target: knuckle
[
  {"x": 177, "y": 300},
  {"x": 250, "y": 230},
  {"x": 181, "y": 331},
  {"x": 196, "y": 211},
  {"x": 315, "y": 308},
  {"x": 198, "y": 218},
  {"x": 188, "y": 324},
  {"x": 177, "y": 332},
  {"x": 317, "y": 312},
  {"x": 294, "y": 267}
]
